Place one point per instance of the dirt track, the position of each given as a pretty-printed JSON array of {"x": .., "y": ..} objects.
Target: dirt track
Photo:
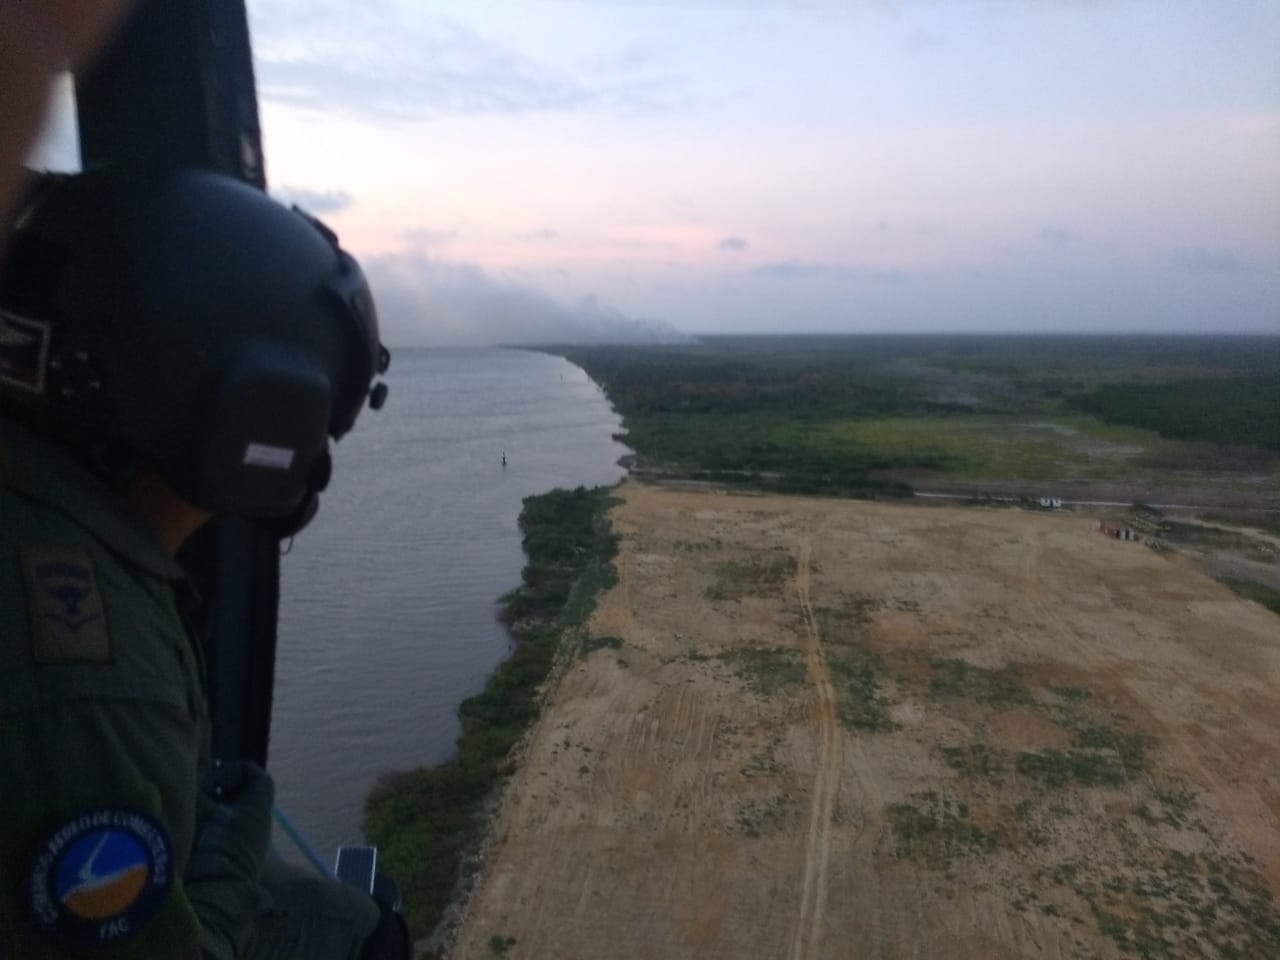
[{"x": 839, "y": 729}]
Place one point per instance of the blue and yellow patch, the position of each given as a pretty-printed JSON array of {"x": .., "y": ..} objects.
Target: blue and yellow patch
[
  {"x": 101, "y": 877},
  {"x": 68, "y": 619}
]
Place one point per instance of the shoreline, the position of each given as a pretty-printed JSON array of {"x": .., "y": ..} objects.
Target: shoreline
[{"x": 431, "y": 823}]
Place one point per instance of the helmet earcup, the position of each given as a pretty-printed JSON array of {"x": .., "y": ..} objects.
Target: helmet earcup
[
  {"x": 256, "y": 439},
  {"x": 198, "y": 325}
]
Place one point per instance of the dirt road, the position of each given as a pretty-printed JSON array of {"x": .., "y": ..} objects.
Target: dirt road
[{"x": 822, "y": 728}]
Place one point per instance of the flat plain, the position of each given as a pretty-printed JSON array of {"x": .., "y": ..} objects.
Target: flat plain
[{"x": 818, "y": 728}]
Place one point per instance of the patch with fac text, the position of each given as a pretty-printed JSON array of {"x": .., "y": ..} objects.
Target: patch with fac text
[
  {"x": 101, "y": 877},
  {"x": 68, "y": 620}
]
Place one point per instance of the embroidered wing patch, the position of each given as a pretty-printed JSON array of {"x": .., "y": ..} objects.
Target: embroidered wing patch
[
  {"x": 101, "y": 877},
  {"x": 68, "y": 621}
]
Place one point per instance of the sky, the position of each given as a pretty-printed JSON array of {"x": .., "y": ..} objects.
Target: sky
[{"x": 520, "y": 171}]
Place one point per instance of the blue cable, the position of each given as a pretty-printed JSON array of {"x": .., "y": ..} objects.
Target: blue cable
[{"x": 294, "y": 834}]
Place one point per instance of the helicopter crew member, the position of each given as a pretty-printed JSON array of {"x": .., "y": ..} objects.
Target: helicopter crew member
[{"x": 173, "y": 346}]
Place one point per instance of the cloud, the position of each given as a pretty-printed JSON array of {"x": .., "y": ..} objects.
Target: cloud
[
  {"x": 1056, "y": 239},
  {"x": 1250, "y": 124},
  {"x": 316, "y": 202},
  {"x": 635, "y": 55},
  {"x": 809, "y": 270},
  {"x": 422, "y": 240},
  {"x": 429, "y": 302},
  {"x": 920, "y": 39},
  {"x": 1207, "y": 261},
  {"x": 734, "y": 243},
  {"x": 544, "y": 234},
  {"x": 792, "y": 269},
  {"x": 387, "y": 63}
]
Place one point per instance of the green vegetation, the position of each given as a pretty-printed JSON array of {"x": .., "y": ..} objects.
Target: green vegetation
[
  {"x": 1069, "y": 693},
  {"x": 565, "y": 540},
  {"x": 760, "y": 816},
  {"x": 1172, "y": 904},
  {"x": 977, "y": 446},
  {"x": 737, "y": 415},
  {"x": 590, "y": 645},
  {"x": 1266, "y": 522},
  {"x": 426, "y": 821},
  {"x": 976, "y": 760},
  {"x": 843, "y": 624},
  {"x": 1056, "y": 768},
  {"x": 937, "y": 830},
  {"x": 1243, "y": 411},
  {"x": 1155, "y": 880},
  {"x": 875, "y": 415},
  {"x": 1206, "y": 537},
  {"x": 958, "y": 679},
  {"x": 499, "y": 944},
  {"x": 1103, "y": 756},
  {"x": 754, "y": 577},
  {"x": 766, "y": 670},
  {"x": 862, "y": 705}
]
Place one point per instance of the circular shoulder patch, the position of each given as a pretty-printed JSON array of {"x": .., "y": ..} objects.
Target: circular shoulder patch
[{"x": 100, "y": 877}]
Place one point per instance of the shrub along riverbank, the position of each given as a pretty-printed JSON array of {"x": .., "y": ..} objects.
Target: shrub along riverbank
[{"x": 426, "y": 822}]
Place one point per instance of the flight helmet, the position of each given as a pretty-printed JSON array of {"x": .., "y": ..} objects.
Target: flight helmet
[{"x": 197, "y": 325}]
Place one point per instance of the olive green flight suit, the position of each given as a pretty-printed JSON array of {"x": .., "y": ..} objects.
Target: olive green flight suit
[{"x": 108, "y": 846}]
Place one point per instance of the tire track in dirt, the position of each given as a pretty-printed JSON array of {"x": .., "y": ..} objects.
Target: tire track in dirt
[{"x": 806, "y": 943}]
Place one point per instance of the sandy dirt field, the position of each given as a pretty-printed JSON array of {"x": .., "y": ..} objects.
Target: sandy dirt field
[{"x": 820, "y": 728}]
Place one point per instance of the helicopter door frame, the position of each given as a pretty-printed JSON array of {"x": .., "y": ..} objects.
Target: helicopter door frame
[{"x": 176, "y": 88}]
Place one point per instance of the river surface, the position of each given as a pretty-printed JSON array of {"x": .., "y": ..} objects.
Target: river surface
[{"x": 388, "y": 613}]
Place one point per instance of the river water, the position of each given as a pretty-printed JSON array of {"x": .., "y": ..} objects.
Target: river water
[{"x": 388, "y": 614}]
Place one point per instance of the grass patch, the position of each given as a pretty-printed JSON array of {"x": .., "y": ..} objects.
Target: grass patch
[
  {"x": 937, "y": 830},
  {"x": 862, "y": 704},
  {"x": 976, "y": 760},
  {"x": 590, "y": 645},
  {"x": 761, "y": 816},
  {"x": 736, "y": 579},
  {"x": 1267, "y": 522},
  {"x": 1269, "y": 597},
  {"x": 426, "y": 821},
  {"x": 1170, "y": 806},
  {"x": 1129, "y": 748},
  {"x": 1057, "y": 768},
  {"x": 498, "y": 944},
  {"x": 960, "y": 680},
  {"x": 1216, "y": 538},
  {"x": 845, "y": 625},
  {"x": 1074, "y": 695},
  {"x": 1178, "y": 904},
  {"x": 1035, "y": 448},
  {"x": 766, "y": 670},
  {"x": 1102, "y": 757}
]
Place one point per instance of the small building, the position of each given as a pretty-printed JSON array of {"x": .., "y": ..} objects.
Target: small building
[{"x": 1118, "y": 531}]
